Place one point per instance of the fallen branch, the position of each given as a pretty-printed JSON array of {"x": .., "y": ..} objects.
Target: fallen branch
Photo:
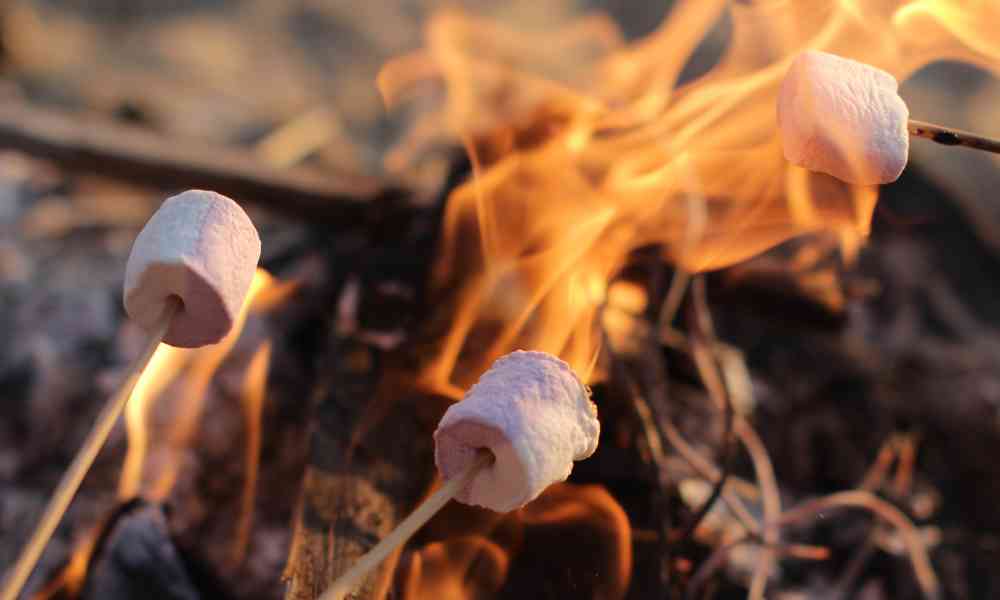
[
  {"x": 94, "y": 145},
  {"x": 361, "y": 477}
]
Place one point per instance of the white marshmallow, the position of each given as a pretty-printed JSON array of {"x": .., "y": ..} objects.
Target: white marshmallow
[
  {"x": 531, "y": 411},
  {"x": 202, "y": 248},
  {"x": 843, "y": 118}
]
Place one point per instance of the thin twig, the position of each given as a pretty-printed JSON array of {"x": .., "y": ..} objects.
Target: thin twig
[
  {"x": 672, "y": 301},
  {"x": 650, "y": 432},
  {"x": 771, "y": 498},
  {"x": 700, "y": 322},
  {"x": 710, "y": 565},
  {"x": 771, "y": 501},
  {"x": 874, "y": 479},
  {"x": 710, "y": 473},
  {"x": 877, "y": 473},
  {"x": 919, "y": 556},
  {"x": 718, "y": 557},
  {"x": 903, "y": 481},
  {"x": 854, "y": 568}
]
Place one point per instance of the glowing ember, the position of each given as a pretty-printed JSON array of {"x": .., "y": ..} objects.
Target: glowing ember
[{"x": 584, "y": 522}]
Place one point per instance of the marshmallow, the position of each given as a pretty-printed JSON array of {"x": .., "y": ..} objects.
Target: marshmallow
[
  {"x": 530, "y": 410},
  {"x": 202, "y": 248},
  {"x": 843, "y": 118}
]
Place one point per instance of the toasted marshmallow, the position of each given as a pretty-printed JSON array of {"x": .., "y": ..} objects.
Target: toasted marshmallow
[
  {"x": 202, "y": 248},
  {"x": 533, "y": 414},
  {"x": 844, "y": 118}
]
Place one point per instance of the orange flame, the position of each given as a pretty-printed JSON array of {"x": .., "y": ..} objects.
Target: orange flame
[
  {"x": 166, "y": 363},
  {"x": 254, "y": 385},
  {"x": 204, "y": 362},
  {"x": 461, "y": 567},
  {"x": 585, "y": 148},
  {"x": 198, "y": 365}
]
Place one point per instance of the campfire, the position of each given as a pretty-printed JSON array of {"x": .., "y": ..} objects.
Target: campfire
[{"x": 685, "y": 300}]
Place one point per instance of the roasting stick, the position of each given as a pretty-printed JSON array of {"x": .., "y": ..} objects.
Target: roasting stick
[
  {"x": 952, "y": 137},
  {"x": 186, "y": 280},
  {"x": 78, "y": 469},
  {"x": 491, "y": 451},
  {"x": 405, "y": 530}
]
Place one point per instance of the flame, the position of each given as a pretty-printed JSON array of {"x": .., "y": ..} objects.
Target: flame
[
  {"x": 166, "y": 363},
  {"x": 204, "y": 362},
  {"x": 585, "y": 148},
  {"x": 186, "y": 373},
  {"x": 461, "y": 567},
  {"x": 583, "y": 532},
  {"x": 69, "y": 582},
  {"x": 254, "y": 385}
]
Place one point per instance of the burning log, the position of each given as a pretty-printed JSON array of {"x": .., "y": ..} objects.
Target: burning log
[
  {"x": 360, "y": 478},
  {"x": 205, "y": 250}
]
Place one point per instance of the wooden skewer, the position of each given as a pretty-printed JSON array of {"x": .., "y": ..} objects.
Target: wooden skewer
[
  {"x": 952, "y": 137},
  {"x": 71, "y": 480},
  {"x": 405, "y": 530}
]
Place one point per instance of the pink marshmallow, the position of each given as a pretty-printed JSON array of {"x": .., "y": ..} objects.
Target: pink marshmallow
[
  {"x": 531, "y": 411},
  {"x": 202, "y": 248},
  {"x": 844, "y": 118}
]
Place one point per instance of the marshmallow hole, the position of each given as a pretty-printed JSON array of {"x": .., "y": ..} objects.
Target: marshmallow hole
[
  {"x": 202, "y": 318},
  {"x": 503, "y": 485}
]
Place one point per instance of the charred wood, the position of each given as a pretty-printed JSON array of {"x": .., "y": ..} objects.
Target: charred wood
[{"x": 139, "y": 560}]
